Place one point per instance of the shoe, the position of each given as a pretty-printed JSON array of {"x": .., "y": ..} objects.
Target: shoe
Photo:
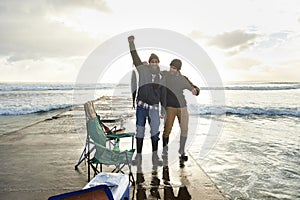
[{"x": 182, "y": 159}]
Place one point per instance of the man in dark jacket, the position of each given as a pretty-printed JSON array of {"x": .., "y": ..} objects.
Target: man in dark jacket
[
  {"x": 177, "y": 107},
  {"x": 151, "y": 92}
]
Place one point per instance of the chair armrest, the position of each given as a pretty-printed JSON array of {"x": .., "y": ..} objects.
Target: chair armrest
[{"x": 122, "y": 135}]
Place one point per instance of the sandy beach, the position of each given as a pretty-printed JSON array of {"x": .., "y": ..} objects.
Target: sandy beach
[{"x": 38, "y": 161}]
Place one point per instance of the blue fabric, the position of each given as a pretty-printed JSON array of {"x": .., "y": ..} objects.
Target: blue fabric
[
  {"x": 153, "y": 119},
  {"x": 79, "y": 193},
  {"x": 155, "y": 137}
]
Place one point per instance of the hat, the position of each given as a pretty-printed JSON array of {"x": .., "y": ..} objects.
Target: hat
[
  {"x": 152, "y": 56},
  {"x": 176, "y": 63}
]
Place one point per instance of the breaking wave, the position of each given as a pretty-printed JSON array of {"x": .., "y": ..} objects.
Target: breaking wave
[
  {"x": 242, "y": 111},
  {"x": 45, "y": 87},
  {"x": 31, "y": 110},
  {"x": 258, "y": 87}
]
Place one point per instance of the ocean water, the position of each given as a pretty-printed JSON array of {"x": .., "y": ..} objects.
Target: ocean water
[
  {"x": 256, "y": 156},
  {"x": 23, "y": 104}
]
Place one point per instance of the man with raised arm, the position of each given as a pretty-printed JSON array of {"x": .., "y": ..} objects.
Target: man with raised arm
[{"x": 151, "y": 92}]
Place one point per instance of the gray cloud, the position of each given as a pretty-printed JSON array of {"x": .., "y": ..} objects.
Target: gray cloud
[
  {"x": 34, "y": 7},
  {"x": 26, "y": 33},
  {"x": 235, "y": 39},
  {"x": 195, "y": 34},
  {"x": 43, "y": 39},
  {"x": 99, "y": 5}
]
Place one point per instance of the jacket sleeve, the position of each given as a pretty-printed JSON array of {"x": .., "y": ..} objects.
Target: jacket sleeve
[
  {"x": 191, "y": 86},
  {"x": 163, "y": 96},
  {"x": 133, "y": 86},
  {"x": 135, "y": 57}
]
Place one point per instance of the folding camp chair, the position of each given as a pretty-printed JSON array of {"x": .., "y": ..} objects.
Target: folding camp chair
[
  {"x": 114, "y": 130},
  {"x": 97, "y": 139}
]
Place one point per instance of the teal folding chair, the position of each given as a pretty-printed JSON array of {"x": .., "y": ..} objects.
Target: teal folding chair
[
  {"x": 113, "y": 130},
  {"x": 97, "y": 139}
]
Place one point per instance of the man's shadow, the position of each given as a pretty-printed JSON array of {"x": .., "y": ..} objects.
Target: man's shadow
[
  {"x": 168, "y": 192},
  {"x": 183, "y": 193},
  {"x": 140, "y": 179}
]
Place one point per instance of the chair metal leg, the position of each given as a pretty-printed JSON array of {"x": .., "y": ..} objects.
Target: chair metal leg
[
  {"x": 130, "y": 172},
  {"x": 83, "y": 156},
  {"x": 132, "y": 142},
  {"x": 89, "y": 161}
]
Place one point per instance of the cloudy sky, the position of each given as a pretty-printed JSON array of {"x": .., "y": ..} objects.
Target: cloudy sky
[{"x": 247, "y": 40}]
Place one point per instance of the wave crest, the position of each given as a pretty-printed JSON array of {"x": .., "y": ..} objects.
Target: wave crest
[
  {"x": 25, "y": 111},
  {"x": 45, "y": 87},
  {"x": 242, "y": 111},
  {"x": 275, "y": 87}
]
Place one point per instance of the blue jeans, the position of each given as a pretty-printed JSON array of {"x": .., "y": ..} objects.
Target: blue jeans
[{"x": 153, "y": 120}]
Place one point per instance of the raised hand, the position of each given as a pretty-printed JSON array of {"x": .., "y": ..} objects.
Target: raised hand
[{"x": 131, "y": 38}]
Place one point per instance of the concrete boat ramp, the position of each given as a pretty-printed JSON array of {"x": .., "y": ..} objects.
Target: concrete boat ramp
[{"x": 38, "y": 161}]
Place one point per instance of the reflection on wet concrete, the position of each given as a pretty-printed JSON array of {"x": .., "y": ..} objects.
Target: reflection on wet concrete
[{"x": 161, "y": 186}]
